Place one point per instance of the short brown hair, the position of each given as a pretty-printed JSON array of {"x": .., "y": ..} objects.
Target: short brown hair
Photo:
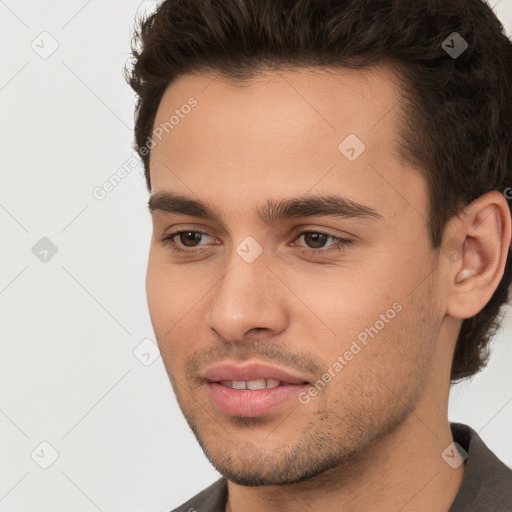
[{"x": 457, "y": 109}]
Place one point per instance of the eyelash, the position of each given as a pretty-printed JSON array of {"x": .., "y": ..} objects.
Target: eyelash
[{"x": 342, "y": 243}]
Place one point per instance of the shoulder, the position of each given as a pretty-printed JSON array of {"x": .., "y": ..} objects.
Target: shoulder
[
  {"x": 211, "y": 499},
  {"x": 487, "y": 481}
]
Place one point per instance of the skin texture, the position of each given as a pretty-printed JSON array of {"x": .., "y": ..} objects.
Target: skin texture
[{"x": 372, "y": 438}]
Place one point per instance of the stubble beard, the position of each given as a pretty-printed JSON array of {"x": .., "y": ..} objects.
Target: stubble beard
[{"x": 328, "y": 443}]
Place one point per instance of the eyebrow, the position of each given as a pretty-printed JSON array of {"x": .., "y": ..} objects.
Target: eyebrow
[{"x": 272, "y": 211}]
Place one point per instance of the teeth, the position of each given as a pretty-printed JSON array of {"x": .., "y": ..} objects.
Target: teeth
[
  {"x": 272, "y": 383},
  {"x": 256, "y": 384},
  {"x": 251, "y": 384}
]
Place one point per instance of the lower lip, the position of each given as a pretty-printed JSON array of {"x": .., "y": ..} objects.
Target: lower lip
[{"x": 251, "y": 403}]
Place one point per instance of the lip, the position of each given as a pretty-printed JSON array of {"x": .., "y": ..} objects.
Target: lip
[
  {"x": 251, "y": 403},
  {"x": 251, "y": 371}
]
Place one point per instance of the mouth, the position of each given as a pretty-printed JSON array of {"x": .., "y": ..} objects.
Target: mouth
[
  {"x": 251, "y": 390},
  {"x": 253, "y": 384},
  {"x": 252, "y": 375}
]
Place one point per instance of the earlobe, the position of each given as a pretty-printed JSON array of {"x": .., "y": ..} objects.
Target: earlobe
[{"x": 485, "y": 229}]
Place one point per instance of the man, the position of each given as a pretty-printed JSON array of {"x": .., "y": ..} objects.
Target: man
[{"x": 330, "y": 195}]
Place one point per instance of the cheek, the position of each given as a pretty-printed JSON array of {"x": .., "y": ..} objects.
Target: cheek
[
  {"x": 347, "y": 302},
  {"x": 383, "y": 361},
  {"x": 383, "y": 293},
  {"x": 174, "y": 301},
  {"x": 171, "y": 290},
  {"x": 157, "y": 293},
  {"x": 373, "y": 325},
  {"x": 165, "y": 302}
]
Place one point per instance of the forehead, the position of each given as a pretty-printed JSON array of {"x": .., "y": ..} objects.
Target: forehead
[
  {"x": 283, "y": 132},
  {"x": 298, "y": 103}
]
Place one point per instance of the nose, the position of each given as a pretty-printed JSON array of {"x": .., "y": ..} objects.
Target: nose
[{"x": 248, "y": 300}]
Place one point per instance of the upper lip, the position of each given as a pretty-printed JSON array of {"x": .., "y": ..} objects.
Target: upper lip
[{"x": 250, "y": 371}]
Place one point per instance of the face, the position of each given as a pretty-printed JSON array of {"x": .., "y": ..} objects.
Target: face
[{"x": 290, "y": 280}]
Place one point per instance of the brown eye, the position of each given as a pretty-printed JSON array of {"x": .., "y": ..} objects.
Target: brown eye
[
  {"x": 188, "y": 238},
  {"x": 315, "y": 240},
  {"x": 179, "y": 241},
  {"x": 315, "y": 243}
]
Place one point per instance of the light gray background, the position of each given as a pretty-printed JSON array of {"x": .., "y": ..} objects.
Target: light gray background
[{"x": 70, "y": 325}]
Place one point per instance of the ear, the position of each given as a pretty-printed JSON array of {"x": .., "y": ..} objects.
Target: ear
[{"x": 477, "y": 249}]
